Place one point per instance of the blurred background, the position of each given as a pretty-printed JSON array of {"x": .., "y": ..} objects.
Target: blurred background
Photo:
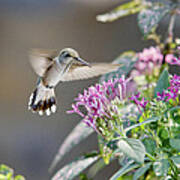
[{"x": 29, "y": 142}]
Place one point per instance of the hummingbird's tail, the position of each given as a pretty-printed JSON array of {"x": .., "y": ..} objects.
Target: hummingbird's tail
[{"x": 42, "y": 100}]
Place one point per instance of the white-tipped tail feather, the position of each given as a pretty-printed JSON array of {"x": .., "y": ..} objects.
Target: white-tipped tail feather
[{"x": 42, "y": 100}]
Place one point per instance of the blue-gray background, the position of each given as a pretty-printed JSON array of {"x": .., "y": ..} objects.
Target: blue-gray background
[{"x": 28, "y": 142}]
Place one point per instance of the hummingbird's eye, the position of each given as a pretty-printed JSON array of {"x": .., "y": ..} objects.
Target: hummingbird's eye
[{"x": 66, "y": 54}]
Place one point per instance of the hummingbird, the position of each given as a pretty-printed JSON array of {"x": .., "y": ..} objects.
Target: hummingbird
[{"x": 52, "y": 68}]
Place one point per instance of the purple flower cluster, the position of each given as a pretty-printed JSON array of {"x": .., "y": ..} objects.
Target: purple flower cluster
[
  {"x": 147, "y": 60},
  {"x": 173, "y": 90},
  {"x": 175, "y": 81},
  {"x": 167, "y": 95},
  {"x": 139, "y": 101},
  {"x": 97, "y": 99}
]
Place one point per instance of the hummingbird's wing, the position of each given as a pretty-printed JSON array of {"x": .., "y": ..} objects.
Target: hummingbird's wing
[
  {"x": 41, "y": 59},
  {"x": 78, "y": 72}
]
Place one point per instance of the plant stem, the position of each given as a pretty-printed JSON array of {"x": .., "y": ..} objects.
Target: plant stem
[
  {"x": 150, "y": 157},
  {"x": 121, "y": 128},
  {"x": 139, "y": 124},
  {"x": 174, "y": 173},
  {"x": 158, "y": 143},
  {"x": 170, "y": 28}
]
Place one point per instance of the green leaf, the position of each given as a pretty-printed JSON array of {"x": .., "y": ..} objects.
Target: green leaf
[
  {"x": 132, "y": 148},
  {"x": 83, "y": 176},
  {"x": 141, "y": 171},
  {"x": 127, "y": 59},
  {"x": 174, "y": 108},
  {"x": 71, "y": 170},
  {"x": 79, "y": 133},
  {"x": 6, "y": 173},
  {"x": 176, "y": 160},
  {"x": 161, "y": 167},
  {"x": 175, "y": 143},
  {"x": 174, "y": 113},
  {"x": 125, "y": 177},
  {"x": 125, "y": 169},
  {"x": 96, "y": 167},
  {"x": 163, "y": 82},
  {"x": 163, "y": 133},
  {"x": 5, "y": 170},
  {"x": 164, "y": 2},
  {"x": 121, "y": 11},
  {"x": 150, "y": 18},
  {"x": 19, "y": 177},
  {"x": 3, "y": 177},
  {"x": 150, "y": 145}
]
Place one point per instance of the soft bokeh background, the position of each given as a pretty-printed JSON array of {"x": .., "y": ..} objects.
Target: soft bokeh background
[{"x": 28, "y": 142}]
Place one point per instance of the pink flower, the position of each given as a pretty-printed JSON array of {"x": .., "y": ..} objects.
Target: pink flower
[
  {"x": 148, "y": 59},
  {"x": 172, "y": 59}
]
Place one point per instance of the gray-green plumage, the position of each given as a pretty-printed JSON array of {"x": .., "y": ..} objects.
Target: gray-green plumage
[{"x": 53, "y": 68}]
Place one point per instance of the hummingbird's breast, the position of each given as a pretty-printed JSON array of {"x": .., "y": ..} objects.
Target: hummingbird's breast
[{"x": 53, "y": 74}]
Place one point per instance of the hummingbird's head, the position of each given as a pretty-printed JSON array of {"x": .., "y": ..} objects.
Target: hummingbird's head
[{"x": 69, "y": 55}]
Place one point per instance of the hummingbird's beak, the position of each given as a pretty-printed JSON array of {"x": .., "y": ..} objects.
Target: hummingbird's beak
[{"x": 82, "y": 61}]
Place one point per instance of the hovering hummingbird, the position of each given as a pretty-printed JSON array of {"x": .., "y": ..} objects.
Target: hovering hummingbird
[{"x": 53, "y": 68}]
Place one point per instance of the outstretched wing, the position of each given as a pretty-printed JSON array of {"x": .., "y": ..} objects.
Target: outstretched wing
[
  {"x": 41, "y": 59},
  {"x": 78, "y": 72}
]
